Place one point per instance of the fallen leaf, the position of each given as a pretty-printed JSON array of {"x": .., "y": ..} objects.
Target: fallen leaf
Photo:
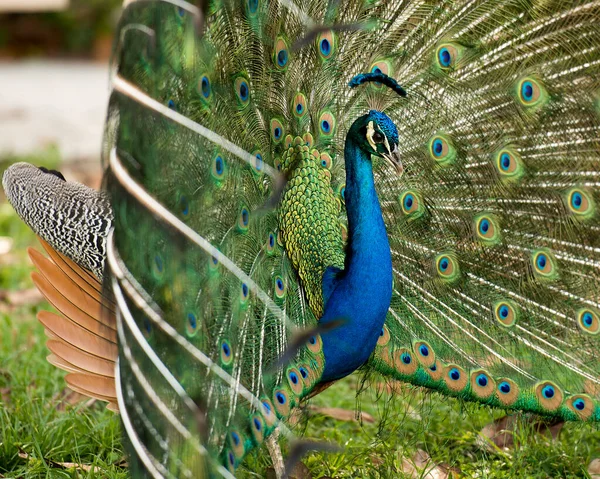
[
  {"x": 341, "y": 414},
  {"x": 501, "y": 431},
  {"x": 594, "y": 469},
  {"x": 422, "y": 467}
]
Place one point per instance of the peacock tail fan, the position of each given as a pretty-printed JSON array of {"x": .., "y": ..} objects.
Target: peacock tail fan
[{"x": 226, "y": 134}]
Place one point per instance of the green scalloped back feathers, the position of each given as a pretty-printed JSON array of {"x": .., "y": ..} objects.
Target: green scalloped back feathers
[{"x": 493, "y": 226}]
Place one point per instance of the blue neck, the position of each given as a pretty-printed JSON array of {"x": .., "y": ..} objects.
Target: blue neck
[{"x": 360, "y": 295}]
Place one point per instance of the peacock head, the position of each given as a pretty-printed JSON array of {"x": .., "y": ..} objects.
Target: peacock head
[{"x": 376, "y": 133}]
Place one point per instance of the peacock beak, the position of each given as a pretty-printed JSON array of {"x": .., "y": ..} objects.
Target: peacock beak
[{"x": 393, "y": 158}]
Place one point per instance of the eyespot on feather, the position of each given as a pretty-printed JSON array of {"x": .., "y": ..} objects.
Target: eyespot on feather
[
  {"x": 482, "y": 384},
  {"x": 588, "y": 321},
  {"x": 580, "y": 203},
  {"x": 257, "y": 426},
  {"x": 486, "y": 229},
  {"x": 455, "y": 377},
  {"x": 242, "y": 91},
  {"x": 436, "y": 370},
  {"x": 315, "y": 344},
  {"x": 277, "y": 130},
  {"x": 295, "y": 381},
  {"x": 531, "y": 92},
  {"x": 326, "y": 44},
  {"x": 326, "y": 124},
  {"x": 204, "y": 87},
  {"x": 384, "y": 336},
  {"x": 381, "y": 66},
  {"x": 218, "y": 167},
  {"x": 582, "y": 405},
  {"x": 268, "y": 412},
  {"x": 411, "y": 204},
  {"x": 447, "y": 267},
  {"x": 441, "y": 150},
  {"x": 447, "y": 55},
  {"x": 506, "y": 313},
  {"x": 548, "y": 395},
  {"x": 424, "y": 353},
  {"x": 244, "y": 219},
  {"x": 509, "y": 164},
  {"x": 226, "y": 353},
  {"x": 507, "y": 391},
  {"x": 236, "y": 442},
  {"x": 404, "y": 362},
  {"x": 299, "y": 106},
  {"x": 281, "y": 400},
  {"x": 281, "y": 54},
  {"x": 544, "y": 265}
]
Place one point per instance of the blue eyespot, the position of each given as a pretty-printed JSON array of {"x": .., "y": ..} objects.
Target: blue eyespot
[
  {"x": 445, "y": 57},
  {"x": 504, "y": 387},
  {"x": 406, "y": 359},
  {"x": 433, "y": 367},
  {"x": 277, "y": 133},
  {"x": 312, "y": 340},
  {"x": 243, "y": 91},
  {"x": 579, "y": 404},
  {"x": 576, "y": 200},
  {"x": 382, "y": 332},
  {"x": 376, "y": 70},
  {"x": 244, "y": 290},
  {"x": 482, "y": 380},
  {"x": 267, "y": 407},
  {"x": 424, "y": 350},
  {"x": 236, "y": 438},
  {"x": 214, "y": 260},
  {"x": 408, "y": 201},
  {"x": 231, "y": 458},
  {"x": 325, "y": 47},
  {"x": 282, "y": 58},
  {"x": 147, "y": 325},
  {"x": 325, "y": 126},
  {"x": 257, "y": 424},
  {"x": 159, "y": 263},
  {"x": 454, "y": 374},
  {"x": 505, "y": 161},
  {"x": 252, "y": 6},
  {"x": 503, "y": 311},
  {"x": 438, "y": 147},
  {"x": 541, "y": 261},
  {"x": 294, "y": 378},
  {"x": 226, "y": 349},
  {"x": 279, "y": 283},
  {"x": 205, "y": 86},
  {"x": 588, "y": 319},
  {"x": 185, "y": 207},
  {"x": 171, "y": 104},
  {"x": 271, "y": 240},
  {"x": 192, "y": 321},
  {"x": 281, "y": 399},
  {"x": 181, "y": 11},
  {"x": 219, "y": 165},
  {"x": 444, "y": 263},
  {"x": 303, "y": 372},
  {"x": 527, "y": 90},
  {"x": 245, "y": 217},
  {"x": 548, "y": 392},
  {"x": 484, "y": 226},
  {"x": 299, "y": 108}
]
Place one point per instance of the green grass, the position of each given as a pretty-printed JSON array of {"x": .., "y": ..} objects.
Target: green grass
[{"x": 39, "y": 433}]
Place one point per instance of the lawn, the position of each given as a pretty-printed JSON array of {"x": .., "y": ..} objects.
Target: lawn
[{"x": 404, "y": 431}]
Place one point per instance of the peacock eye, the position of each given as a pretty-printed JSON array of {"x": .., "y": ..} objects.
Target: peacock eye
[{"x": 377, "y": 137}]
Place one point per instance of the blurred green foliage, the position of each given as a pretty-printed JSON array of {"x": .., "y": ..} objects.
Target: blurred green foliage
[{"x": 72, "y": 32}]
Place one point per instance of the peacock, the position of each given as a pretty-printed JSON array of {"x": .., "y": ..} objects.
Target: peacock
[{"x": 297, "y": 189}]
